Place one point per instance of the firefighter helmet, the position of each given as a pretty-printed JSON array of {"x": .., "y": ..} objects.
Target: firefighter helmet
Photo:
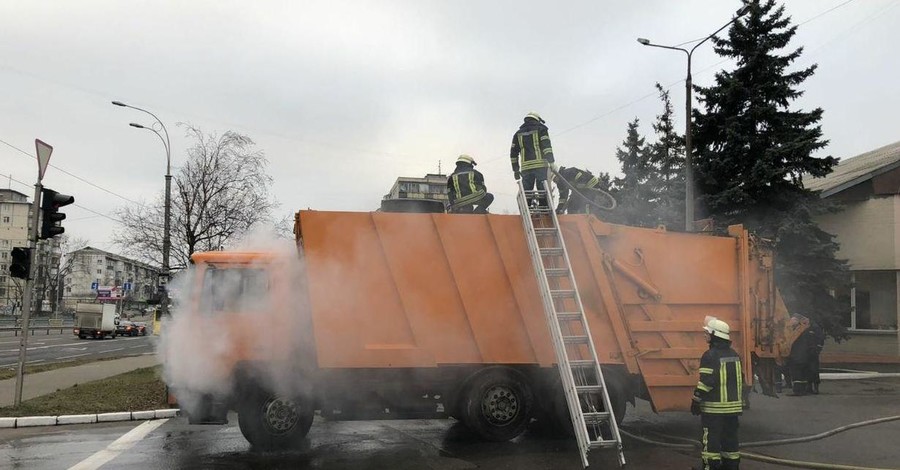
[
  {"x": 535, "y": 116},
  {"x": 466, "y": 159},
  {"x": 717, "y": 328}
]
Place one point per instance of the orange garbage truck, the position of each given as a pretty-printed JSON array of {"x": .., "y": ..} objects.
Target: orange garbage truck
[{"x": 431, "y": 314}]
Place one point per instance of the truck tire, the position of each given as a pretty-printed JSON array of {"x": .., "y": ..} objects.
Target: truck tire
[
  {"x": 497, "y": 404},
  {"x": 272, "y": 422}
]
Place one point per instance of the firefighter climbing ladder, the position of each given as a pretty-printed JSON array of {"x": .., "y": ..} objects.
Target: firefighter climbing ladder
[{"x": 579, "y": 370}]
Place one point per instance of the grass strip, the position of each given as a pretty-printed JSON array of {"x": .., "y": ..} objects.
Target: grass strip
[{"x": 138, "y": 390}]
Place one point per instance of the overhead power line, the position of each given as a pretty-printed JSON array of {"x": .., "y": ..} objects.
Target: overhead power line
[
  {"x": 637, "y": 100},
  {"x": 100, "y": 214},
  {"x": 73, "y": 175}
]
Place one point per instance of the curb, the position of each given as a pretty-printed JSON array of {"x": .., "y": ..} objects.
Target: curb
[{"x": 30, "y": 421}]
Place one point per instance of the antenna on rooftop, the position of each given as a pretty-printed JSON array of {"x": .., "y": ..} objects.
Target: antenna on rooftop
[{"x": 439, "y": 167}]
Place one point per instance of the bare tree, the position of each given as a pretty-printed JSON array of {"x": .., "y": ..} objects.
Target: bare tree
[{"x": 220, "y": 192}]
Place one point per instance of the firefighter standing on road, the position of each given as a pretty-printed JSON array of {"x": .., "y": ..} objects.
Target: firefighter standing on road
[
  {"x": 717, "y": 399},
  {"x": 584, "y": 182},
  {"x": 466, "y": 189},
  {"x": 531, "y": 154}
]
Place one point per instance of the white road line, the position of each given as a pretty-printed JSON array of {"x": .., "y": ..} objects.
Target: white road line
[
  {"x": 74, "y": 355},
  {"x": 137, "y": 347},
  {"x": 108, "y": 350},
  {"x": 127, "y": 441},
  {"x": 44, "y": 347}
]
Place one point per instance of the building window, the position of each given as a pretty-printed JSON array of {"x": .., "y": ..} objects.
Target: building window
[
  {"x": 99, "y": 271},
  {"x": 3, "y": 255},
  {"x": 100, "y": 261},
  {"x": 5, "y": 219},
  {"x": 873, "y": 300},
  {"x": 2, "y": 279}
]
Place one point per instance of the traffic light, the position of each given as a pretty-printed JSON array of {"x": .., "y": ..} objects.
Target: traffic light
[
  {"x": 51, "y": 201},
  {"x": 21, "y": 262}
]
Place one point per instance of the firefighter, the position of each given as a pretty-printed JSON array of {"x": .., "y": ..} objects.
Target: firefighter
[
  {"x": 531, "y": 154},
  {"x": 584, "y": 182},
  {"x": 816, "y": 346},
  {"x": 466, "y": 189},
  {"x": 717, "y": 398}
]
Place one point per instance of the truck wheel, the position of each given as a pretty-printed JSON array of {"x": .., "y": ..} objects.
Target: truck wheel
[
  {"x": 498, "y": 404},
  {"x": 272, "y": 422}
]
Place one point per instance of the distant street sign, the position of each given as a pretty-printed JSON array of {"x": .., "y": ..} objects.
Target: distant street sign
[
  {"x": 126, "y": 286},
  {"x": 43, "y": 156},
  {"x": 95, "y": 285}
]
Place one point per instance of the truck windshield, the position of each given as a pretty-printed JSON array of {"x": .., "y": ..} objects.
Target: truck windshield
[{"x": 234, "y": 290}]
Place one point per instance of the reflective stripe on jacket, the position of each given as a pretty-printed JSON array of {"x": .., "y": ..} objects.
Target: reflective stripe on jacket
[
  {"x": 721, "y": 381},
  {"x": 531, "y": 148},
  {"x": 465, "y": 186}
]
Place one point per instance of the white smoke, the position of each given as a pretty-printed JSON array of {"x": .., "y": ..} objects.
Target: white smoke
[{"x": 226, "y": 314}]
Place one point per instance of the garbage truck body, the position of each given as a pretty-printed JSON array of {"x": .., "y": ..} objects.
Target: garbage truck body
[{"x": 395, "y": 314}]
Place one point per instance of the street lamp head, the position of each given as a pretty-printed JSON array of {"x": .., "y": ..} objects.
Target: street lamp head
[
  {"x": 119, "y": 103},
  {"x": 134, "y": 124},
  {"x": 644, "y": 41},
  {"x": 743, "y": 10}
]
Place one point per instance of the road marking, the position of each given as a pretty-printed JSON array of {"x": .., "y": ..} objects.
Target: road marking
[
  {"x": 137, "y": 347},
  {"x": 127, "y": 441},
  {"x": 44, "y": 347},
  {"x": 109, "y": 350},
  {"x": 74, "y": 355}
]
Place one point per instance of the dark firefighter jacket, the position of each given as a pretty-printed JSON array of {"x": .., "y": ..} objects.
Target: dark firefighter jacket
[
  {"x": 580, "y": 179},
  {"x": 465, "y": 185},
  {"x": 721, "y": 380},
  {"x": 531, "y": 147}
]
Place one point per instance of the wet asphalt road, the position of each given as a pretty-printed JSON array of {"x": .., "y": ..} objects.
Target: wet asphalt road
[
  {"x": 55, "y": 347},
  {"x": 444, "y": 444}
]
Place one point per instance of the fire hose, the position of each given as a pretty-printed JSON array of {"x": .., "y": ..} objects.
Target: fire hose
[
  {"x": 589, "y": 200},
  {"x": 693, "y": 444}
]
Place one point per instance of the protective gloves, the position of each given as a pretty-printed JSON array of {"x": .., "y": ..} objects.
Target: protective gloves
[{"x": 517, "y": 175}]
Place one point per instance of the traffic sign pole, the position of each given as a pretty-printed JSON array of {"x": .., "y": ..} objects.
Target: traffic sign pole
[{"x": 43, "y": 154}]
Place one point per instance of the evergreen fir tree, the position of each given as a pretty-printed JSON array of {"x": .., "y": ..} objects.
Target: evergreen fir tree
[
  {"x": 631, "y": 190},
  {"x": 753, "y": 152},
  {"x": 666, "y": 178}
]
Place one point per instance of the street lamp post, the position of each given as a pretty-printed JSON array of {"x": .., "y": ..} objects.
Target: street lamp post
[
  {"x": 688, "y": 148},
  {"x": 168, "y": 202}
]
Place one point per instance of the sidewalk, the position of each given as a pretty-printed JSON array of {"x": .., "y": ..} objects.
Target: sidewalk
[{"x": 43, "y": 383}]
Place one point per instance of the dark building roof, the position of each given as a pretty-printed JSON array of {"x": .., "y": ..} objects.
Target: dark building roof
[{"x": 853, "y": 171}]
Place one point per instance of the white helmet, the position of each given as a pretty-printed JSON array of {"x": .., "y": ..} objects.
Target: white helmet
[
  {"x": 716, "y": 327},
  {"x": 535, "y": 116},
  {"x": 466, "y": 159}
]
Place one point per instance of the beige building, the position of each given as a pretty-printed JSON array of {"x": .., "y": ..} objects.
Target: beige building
[
  {"x": 91, "y": 267},
  {"x": 15, "y": 225},
  {"x": 431, "y": 186},
  {"x": 868, "y": 229}
]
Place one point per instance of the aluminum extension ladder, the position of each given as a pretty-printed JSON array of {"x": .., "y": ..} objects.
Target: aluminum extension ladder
[{"x": 579, "y": 370}]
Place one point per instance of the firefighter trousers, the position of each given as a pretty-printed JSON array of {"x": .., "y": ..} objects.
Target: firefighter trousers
[{"x": 720, "y": 442}]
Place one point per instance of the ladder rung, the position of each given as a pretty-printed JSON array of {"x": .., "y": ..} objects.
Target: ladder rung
[
  {"x": 551, "y": 251},
  {"x": 603, "y": 444},
  {"x": 545, "y": 231},
  {"x": 575, "y": 339},
  {"x": 588, "y": 388},
  {"x": 581, "y": 363},
  {"x": 596, "y": 418},
  {"x": 562, "y": 293},
  {"x": 556, "y": 271},
  {"x": 569, "y": 316}
]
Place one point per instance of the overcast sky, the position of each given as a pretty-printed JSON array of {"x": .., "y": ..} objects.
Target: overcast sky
[{"x": 343, "y": 97}]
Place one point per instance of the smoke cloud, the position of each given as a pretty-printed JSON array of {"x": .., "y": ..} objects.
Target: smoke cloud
[{"x": 244, "y": 310}]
